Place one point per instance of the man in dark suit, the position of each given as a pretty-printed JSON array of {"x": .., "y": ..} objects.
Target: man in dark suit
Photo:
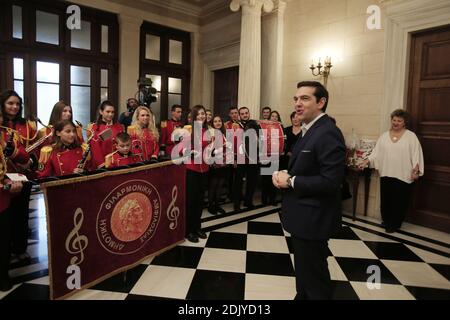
[
  {"x": 311, "y": 209},
  {"x": 247, "y": 166},
  {"x": 126, "y": 117}
]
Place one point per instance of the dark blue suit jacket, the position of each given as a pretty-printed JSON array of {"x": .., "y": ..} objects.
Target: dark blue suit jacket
[{"x": 312, "y": 209}]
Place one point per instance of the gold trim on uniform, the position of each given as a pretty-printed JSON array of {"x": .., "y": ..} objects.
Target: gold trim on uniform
[
  {"x": 44, "y": 156},
  {"x": 109, "y": 159}
]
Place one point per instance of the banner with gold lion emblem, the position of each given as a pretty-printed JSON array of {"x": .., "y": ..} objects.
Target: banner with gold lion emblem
[{"x": 103, "y": 224}]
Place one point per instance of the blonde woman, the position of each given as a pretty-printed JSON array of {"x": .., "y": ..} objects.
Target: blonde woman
[{"x": 144, "y": 134}]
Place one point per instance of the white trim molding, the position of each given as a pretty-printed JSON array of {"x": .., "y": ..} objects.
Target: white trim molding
[{"x": 403, "y": 18}]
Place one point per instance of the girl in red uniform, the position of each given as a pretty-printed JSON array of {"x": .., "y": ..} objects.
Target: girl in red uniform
[
  {"x": 61, "y": 111},
  {"x": 63, "y": 157},
  {"x": 100, "y": 146},
  {"x": 144, "y": 135},
  {"x": 217, "y": 171},
  {"x": 196, "y": 176},
  {"x": 24, "y": 134},
  {"x": 7, "y": 188}
]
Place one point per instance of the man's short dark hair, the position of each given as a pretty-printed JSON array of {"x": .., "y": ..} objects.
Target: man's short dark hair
[
  {"x": 175, "y": 107},
  {"x": 242, "y": 108},
  {"x": 266, "y": 108},
  {"x": 123, "y": 137},
  {"x": 319, "y": 92},
  {"x": 232, "y": 108}
]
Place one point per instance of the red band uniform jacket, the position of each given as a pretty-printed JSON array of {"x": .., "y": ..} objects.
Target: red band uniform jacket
[
  {"x": 61, "y": 162},
  {"x": 117, "y": 159},
  {"x": 4, "y": 195},
  {"x": 144, "y": 144},
  {"x": 99, "y": 148},
  {"x": 167, "y": 128}
]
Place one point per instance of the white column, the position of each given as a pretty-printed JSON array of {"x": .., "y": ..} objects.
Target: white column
[
  {"x": 129, "y": 57},
  {"x": 250, "y": 52},
  {"x": 272, "y": 57},
  {"x": 279, "y": 55},
  {"x": 197, "y": 65}
]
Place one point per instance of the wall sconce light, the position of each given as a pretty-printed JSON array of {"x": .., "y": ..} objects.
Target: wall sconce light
[{"x": 326, "y": 69}]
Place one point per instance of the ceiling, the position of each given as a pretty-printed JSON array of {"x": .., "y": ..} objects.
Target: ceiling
[
  {"x": 196, "y": 7},
  {"x": 193, "y": 11}
]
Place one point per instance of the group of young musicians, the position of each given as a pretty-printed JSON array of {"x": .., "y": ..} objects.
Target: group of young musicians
[{"x": 59, "y": 149}]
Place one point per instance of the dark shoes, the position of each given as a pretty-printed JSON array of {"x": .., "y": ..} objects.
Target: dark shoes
[
  {"x": 22, "y": 258},
  {"x": 5, "y": 284},
  {"x": 201, "y": 234},
  {"x": 391, "y": 230},
  {"x": 192, "y": 237},
  {"x": 220, "y": 210},
  {"x": 215, "y": 209},
  {"x": 212, "y": 210},
  {"x": 249, "y": 206}
]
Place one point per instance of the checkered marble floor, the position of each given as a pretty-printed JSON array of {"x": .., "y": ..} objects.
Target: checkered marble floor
[{"x": 248, "y": 256}]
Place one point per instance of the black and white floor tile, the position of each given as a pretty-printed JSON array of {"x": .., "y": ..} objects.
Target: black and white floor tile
[{"x": 248, "y": 255}]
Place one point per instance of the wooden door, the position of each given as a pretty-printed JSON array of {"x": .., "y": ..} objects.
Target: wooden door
[
  {"x": 429, "y": 105},
  {"x": 225, "y": 90}
]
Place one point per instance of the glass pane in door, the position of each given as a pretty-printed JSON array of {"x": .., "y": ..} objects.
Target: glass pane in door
[
  {"x": 80, "y": 98},
  {"x": 81, "y": 39},
  {"x": 18, "y": 68},
  {"x": 47, "y": 96},
  {"x": 17, "y": 22},
  {"x": 152, "y": 47},
  {"x": 47, "y": 72},
  {"x": 80, "y": 75},
  {"x": 104, "y": 78},
  {"x": 175, "y": 51},
  {"x": 174, "y": 85},
  {"x": 105, "y": 31},
  {"x": 47, "y": 27}
]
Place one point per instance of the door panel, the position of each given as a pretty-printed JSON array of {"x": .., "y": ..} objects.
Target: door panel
[
  {"x": 428, "y": 103},
  {"x": 225, "y": 90}
]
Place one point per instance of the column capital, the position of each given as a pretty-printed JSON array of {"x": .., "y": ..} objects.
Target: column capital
[
  {"x": 281, "y": 6},
  {"x": 267, "y": 5}
]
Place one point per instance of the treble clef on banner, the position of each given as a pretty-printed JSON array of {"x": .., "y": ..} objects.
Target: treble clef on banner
[
  {"x": 76, "y": 243},
  {"x": 173, "y": 212}
]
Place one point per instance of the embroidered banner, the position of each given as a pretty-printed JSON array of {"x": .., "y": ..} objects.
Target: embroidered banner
[{"x": 106, "y": 223}]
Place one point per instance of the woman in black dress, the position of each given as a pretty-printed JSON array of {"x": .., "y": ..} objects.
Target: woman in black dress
[{"x": 292, "y": 134}]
